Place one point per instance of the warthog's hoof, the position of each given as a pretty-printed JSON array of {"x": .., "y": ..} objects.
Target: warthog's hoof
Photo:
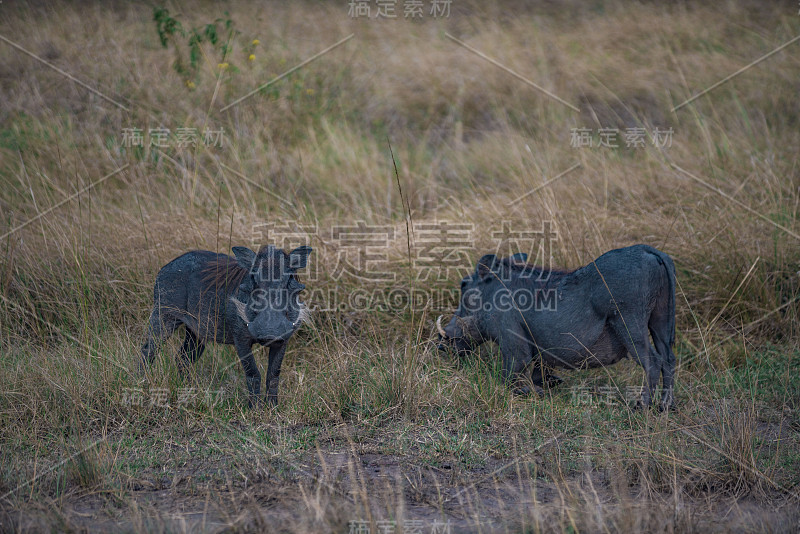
[
  {"x": 553, "y": 381},
  {"x": 666, "y": 407},
  {"x": 526, "y": 391},
  {"x": 660, "y": 407},
  {"x": 254, "y": 402}
]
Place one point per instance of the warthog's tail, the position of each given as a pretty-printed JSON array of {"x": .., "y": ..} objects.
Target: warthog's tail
[{"x": 669, "y": 266}]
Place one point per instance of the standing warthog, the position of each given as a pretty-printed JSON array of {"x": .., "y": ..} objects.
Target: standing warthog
[
  {"x": 252, "y": 298},
  {"x": 593, "y": 316}
]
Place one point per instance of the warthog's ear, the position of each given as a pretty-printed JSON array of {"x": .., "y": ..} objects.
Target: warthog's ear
[
  {"x": 298, "y": 258},
  {"x": 295, "y": 286},
  {"x": 519, "y": 257},
  {"x": 244, "y": 257},
  {"x": 486, "y": 265}
]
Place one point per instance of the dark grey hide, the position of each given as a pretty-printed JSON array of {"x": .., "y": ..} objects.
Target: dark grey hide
[
  {"x": 591, "y": 317},
  {"x": 252, "y": 298}
]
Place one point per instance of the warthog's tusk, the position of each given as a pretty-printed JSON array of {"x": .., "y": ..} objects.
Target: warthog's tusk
[{"x": 439, "y": 326}]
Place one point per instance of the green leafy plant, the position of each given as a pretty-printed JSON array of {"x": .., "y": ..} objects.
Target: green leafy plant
[{"x": 188, "y": 43}]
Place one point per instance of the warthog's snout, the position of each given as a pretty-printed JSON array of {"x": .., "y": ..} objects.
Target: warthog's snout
[
  {"x": 268, "y": 328},
  {"x": 457, "y": 335}
]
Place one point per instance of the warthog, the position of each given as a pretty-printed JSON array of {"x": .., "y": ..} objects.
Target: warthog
[
  {"x": 252, "y": 298},
  {"x": 593, "y": 316}
]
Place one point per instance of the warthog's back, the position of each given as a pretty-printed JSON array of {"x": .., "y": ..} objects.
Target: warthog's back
[{"x": 194, "y": 288}]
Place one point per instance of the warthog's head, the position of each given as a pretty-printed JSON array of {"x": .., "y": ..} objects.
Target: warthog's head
[
  {"x": 478, "y": 291},
  {"x": 268, "y": 297}
]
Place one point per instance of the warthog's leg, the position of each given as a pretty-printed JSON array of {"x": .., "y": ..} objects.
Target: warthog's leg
[
  {"x": 540, "y": 373},
  {"x": 541, "y": 378},
  {"x": 516, "y": 352},
  {"x": 667, "y": 360},
  {"x": 537, "y": 375},
  {"x": 636, "y": 339},
  {"x": 251, "y": 373},
  {"x": 191, "y": 350},
  {"x": 653, "y": 374},
  {"x": 160, "y": 328},
  {"x": 276, "y": 353}
]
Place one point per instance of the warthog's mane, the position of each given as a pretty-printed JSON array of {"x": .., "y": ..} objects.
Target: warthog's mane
[
  {"x": 536, "y": 272},
  {"x": 224, "y": 272}
]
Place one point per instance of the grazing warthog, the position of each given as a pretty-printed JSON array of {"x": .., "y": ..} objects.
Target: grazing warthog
[
  {"x": 252, "y": 298},
  {"x": 593, "y": 316}
]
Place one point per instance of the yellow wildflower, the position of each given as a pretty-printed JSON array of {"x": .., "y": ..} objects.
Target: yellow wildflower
[
  {"x": 190, "y": 84},
  {"x": 255, "y": 42},
  {"x": 309, "y": 91},
  {"x": 251, "y": 57},
  {"x": 222, "y": 66}
]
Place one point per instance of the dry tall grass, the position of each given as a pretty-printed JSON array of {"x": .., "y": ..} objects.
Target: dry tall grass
[{"x": 312, "y": 151}]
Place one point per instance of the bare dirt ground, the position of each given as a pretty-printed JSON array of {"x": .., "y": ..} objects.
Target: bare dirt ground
[{"x": 358, "y": 485}]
